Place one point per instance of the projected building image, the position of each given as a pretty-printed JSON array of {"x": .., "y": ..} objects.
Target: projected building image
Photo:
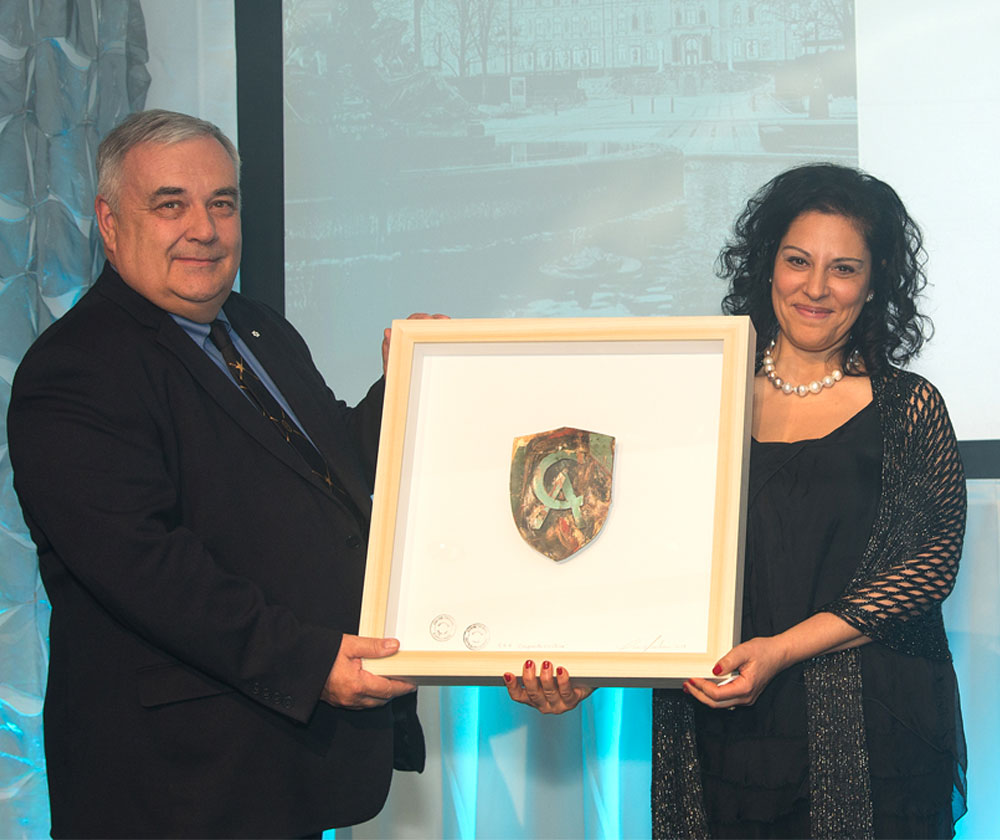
[{"x": 542, "y": 157}]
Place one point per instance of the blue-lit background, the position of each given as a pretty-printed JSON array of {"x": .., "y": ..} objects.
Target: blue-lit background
[{"x": 643, "y": 125}]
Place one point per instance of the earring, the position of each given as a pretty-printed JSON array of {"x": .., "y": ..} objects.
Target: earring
[
  {"x": 770, "y": 280},
  {"x": 870, "y": 298}
]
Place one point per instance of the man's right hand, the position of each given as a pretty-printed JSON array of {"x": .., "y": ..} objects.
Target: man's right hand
[
  {"x": 350, "y": 686},
  {"x": 387, "y": 333}
]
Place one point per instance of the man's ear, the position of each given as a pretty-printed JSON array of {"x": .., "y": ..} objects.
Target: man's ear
[{"x": 107, "y": 224}]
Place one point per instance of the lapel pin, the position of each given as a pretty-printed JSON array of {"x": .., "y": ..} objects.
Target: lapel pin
[{"x": 254, "y": 333}]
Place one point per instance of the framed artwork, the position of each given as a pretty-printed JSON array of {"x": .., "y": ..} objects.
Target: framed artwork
[{"x": 561, "y": 489}]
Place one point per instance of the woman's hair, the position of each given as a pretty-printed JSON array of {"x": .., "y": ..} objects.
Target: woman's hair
[{"x": 889, "y": 329}]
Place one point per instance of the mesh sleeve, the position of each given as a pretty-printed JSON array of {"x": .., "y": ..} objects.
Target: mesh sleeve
[{"x": 912, "y": 558}]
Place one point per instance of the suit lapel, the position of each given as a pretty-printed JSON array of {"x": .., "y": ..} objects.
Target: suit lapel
[
  {"x": 228, "y": 396},
  {"x": 308, "y": 400},
  {"x": 324, "y": 429}
]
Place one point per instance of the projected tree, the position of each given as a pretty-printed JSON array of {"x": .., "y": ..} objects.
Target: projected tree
[{"x": 354, "y": 68}]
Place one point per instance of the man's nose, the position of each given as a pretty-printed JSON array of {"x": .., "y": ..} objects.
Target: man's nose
[{"x": 201, "y": 225}]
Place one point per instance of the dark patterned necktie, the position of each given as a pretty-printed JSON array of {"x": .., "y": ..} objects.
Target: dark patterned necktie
[{"x": 251, "y": 385}]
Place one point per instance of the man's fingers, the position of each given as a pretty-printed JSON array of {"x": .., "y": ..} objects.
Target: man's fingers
[
  {"x": 364, "y": 690},
  {"x": 386, "y": 339},
  {"x": 382, "y": 689},
  {"x": 365, "y": 647},
  {"x": 351, "y": 686}
]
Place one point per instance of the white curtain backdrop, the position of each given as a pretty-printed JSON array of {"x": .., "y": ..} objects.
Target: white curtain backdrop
[
  {"x": 497, "y": 770},
  {"x": 69, "y": 71}
]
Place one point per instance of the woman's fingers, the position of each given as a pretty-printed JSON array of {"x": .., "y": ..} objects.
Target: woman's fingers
[{"x": 545, "y": 687}]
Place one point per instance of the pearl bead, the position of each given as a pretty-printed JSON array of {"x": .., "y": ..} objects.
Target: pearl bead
[{"x": 814, "y": 387}]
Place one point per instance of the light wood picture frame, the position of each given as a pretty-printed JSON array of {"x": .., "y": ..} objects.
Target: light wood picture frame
[{"x": 656, "y": 596}]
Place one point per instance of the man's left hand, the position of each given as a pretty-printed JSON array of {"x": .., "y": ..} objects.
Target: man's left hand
[{"x": 350, "y": 686}]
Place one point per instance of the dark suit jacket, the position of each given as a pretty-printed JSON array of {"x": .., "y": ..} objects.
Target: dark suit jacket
[{"x": 200, "y": 579}]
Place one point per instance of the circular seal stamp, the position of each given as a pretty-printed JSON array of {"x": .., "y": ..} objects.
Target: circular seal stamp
[
  {"x": 442, "y": 627},
  {"x": 476, "y": 636}
]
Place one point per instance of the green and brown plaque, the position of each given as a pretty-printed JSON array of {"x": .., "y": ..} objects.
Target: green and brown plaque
[{"x": 560, "y": 488}]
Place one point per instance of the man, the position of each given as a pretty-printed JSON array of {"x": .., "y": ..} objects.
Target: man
[{"x": 202, "y": 543}]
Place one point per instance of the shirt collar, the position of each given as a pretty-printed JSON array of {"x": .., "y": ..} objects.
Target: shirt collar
[{"x": 197, "y": 331}]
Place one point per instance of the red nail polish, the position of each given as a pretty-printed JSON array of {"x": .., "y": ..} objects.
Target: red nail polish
[
  {"x": 528, "y": 665},
  {"x": 717, "y": 670},
  {"x": 686, "y": 689},
  {"x": 559, "y": 671},
  {"x": 546, "y": 665},
  {"x": 508, "y": 677}
]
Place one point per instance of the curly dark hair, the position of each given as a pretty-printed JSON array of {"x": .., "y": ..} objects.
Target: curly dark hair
[{"x": 889, "y": 329}]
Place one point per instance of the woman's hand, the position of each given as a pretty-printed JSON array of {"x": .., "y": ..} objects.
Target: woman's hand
[
  {"x": 551, "y": 691},
  {"x": 758, "y": 661}
]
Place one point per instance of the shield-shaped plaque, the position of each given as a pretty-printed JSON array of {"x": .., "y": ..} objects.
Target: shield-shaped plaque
[{"x": 560, "y": 488}]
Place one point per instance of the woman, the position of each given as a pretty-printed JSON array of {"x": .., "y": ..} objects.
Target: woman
[{"x": 843, "y": 719}]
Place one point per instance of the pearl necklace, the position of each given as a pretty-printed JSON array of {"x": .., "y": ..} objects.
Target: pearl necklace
[{"x": 814, "y": 387}]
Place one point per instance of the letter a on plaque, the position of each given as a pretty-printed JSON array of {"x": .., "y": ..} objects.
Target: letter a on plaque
[{"x": 560, "y": 488}]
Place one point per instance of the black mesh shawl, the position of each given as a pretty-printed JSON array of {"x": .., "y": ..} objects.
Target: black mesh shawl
[
  {"x": 907, "y": 570},
  {"x": 912, "y": 557}
]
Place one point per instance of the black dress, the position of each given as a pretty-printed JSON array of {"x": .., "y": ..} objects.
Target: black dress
[{"x": 811, "y": 509}]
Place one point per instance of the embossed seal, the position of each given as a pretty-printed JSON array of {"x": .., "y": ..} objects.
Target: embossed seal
[
  {"x": 442, "y": 627},
  {"x": 476, "y": 636}
]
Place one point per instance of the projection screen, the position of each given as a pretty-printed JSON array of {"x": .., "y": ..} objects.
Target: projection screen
[{"x": 513, "y": 158}]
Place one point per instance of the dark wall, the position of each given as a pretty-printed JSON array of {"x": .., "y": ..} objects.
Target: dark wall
[{"x": 259, "y": 60}]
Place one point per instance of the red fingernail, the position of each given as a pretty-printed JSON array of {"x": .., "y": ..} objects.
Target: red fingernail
[
  {"x": 717, "y": 670},
  {"x": 546, "y": 665},
  {"x": 508, "y": 677},
  {"x": 529, "y": 665},
  {"x": 686, "y": 689},
  {"x": 559, "y": 671}
]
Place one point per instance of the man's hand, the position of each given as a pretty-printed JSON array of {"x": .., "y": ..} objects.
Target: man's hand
[
  {"x": 387, "y": 333},
  {"x": 350, "y": 686}
]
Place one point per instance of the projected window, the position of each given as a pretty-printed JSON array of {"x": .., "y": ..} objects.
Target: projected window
[{"x": 512, "y": 159}]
